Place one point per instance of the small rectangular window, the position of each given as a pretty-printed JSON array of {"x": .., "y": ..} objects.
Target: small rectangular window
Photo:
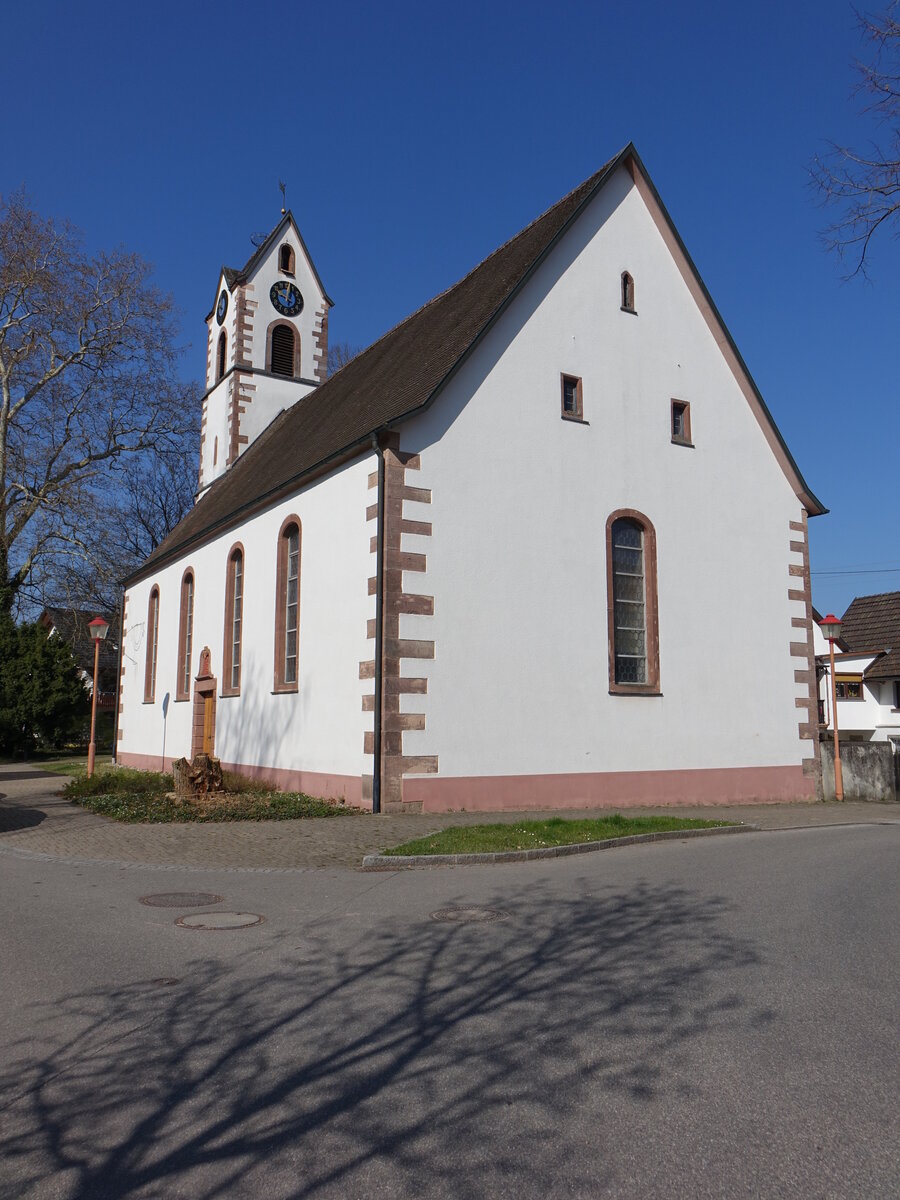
[
  {"x": 572, "y": 407},
  {"x": 848, "y": 687},
  {"x": 681, "y": 423}
]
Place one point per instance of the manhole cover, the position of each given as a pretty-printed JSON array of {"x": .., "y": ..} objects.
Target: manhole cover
[
  {"x": 181, "y": 899},
  {"x": 468, "y": 913},
  {"x": 219, "y": 920}
]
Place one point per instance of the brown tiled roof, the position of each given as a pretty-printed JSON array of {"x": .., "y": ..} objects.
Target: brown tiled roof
[
  {"x": 396, "y": 376},
  {"x": 873, "y": 623}
]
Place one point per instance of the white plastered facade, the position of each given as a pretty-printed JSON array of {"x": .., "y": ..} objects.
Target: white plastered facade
[
  {"x": 311, "y": 738},
  {"x": 519, "y": 683}
]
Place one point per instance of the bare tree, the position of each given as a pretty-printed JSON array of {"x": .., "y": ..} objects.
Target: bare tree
[
  {"x": 864, "y": 186},
  {"x": 144, "y": 502},
  {"x": 339, "y": 354},
  {"x": 87, "y": 386}
]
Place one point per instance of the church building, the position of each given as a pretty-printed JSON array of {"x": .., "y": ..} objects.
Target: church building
[{"x": 540, "y": 545}]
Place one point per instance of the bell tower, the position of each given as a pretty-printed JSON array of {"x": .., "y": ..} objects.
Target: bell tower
[{"x": 267, "y": 346}]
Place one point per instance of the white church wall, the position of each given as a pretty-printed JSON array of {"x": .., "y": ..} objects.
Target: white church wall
[
  {"x": 519, "y": 685},
  {"x": 311, "y": 739},
  {"x": 271, "y": 396}
]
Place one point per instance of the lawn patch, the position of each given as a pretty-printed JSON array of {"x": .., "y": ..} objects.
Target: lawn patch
[
  {"x": 538, "y": 835},
  {"x": 146, "y": 797}
]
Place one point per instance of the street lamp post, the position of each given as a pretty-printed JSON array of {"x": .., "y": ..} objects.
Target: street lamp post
[
  {"x": 831, "y": 629},
  {"x": 98, "y": 629}
]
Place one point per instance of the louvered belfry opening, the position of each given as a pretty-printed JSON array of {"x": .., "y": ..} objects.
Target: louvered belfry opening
[{"x": 283, "y": 351}]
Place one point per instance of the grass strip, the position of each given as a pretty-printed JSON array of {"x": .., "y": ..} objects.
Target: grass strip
[{"x": 534, "y": 835}]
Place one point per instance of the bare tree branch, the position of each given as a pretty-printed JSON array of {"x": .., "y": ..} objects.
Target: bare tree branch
[{"x": 864, "y": 187}]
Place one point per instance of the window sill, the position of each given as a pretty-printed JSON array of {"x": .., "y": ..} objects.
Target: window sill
[
  {"x": 150, "y": 701},
  {"x": 624, "y": 308},
  {"x": 230, "y": 692},
  {"x": 637, "y": 690},
  {"x": 682, "y": 442},
  {"x": 574, "y": 418},
  {"x": 180, "y": 699},
  {"x": 288, "y": 689}
]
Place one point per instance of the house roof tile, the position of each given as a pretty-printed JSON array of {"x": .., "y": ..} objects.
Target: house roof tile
[{"x": 875, "y": 621}]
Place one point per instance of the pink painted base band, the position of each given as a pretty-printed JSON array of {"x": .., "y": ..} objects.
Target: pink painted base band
[
  {"x": 312, "y": 783},
  {"x": 608, "y": 789}
]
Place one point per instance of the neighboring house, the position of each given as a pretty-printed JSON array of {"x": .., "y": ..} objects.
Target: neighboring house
[
  {"x": 866, "y": 672},
  {"x": 498, "y": 559},
  {"x": 71, "y": 624}
]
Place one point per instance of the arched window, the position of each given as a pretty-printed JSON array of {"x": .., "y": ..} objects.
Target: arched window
[
  {"x": 281, "y": 355},
  {"x": 287, "y": 607},
  {"x": 220, "y": 356},
  {"x": 185, "y": 637},
  {"x": 286, "y": 259},
  {"x": 627, "y": 292},
  {"x": 152, "y": 646},
  {"x": 234, "y": 614},
  {"x": 632, "y": 604}
]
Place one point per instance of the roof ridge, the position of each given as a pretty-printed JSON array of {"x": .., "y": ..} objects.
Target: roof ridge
[
  {"x": 462, "y": 279},
  {"x": 874, "y": 596}
]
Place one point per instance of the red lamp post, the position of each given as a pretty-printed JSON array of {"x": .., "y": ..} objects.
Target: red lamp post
[
  {"x": 831, "y": 629},
  {"x": 98, "y": 629}
]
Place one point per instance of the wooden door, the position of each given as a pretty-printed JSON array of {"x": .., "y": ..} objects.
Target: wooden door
[{"x": 209, "y": 723}]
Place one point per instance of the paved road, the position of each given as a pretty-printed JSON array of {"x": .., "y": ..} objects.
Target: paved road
[
  {"x": 686, "y": 1019},
  {"x": 35, "y": 820}
]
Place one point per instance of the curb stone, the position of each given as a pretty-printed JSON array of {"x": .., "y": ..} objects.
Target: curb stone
[{"x": 412, "y": 862}]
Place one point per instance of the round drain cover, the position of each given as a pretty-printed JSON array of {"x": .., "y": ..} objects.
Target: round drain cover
[
  {"x": 463, "y": 913},
  {"x": 181, "y": 899},
  {"x": 219, "y": 920}
]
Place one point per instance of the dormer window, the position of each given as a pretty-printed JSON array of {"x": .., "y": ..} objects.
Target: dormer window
[
  {"x": 627, "y": 292},
  {"x": 286, "y": 259}
]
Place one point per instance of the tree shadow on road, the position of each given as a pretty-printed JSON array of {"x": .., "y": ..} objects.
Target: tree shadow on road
[{"x": 418, "y": 1059}]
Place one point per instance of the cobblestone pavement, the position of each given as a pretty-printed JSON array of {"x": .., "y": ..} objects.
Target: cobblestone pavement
[{"x": 34, "y": 819}]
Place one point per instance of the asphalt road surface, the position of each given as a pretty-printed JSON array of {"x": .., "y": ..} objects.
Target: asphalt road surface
[{"x": 716, "y": 1018}]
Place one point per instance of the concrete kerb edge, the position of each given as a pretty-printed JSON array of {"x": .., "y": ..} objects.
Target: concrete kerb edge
[{"x": 412, "y": 862}]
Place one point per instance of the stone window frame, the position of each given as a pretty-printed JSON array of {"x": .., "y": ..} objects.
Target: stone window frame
[
  {"x": 651, "y": 606},
  {"x": 281, "y": 581},
  {"x": 295, "y": 334},
  {"x": 229, "y": 688},
  {"x": 682, "y": 409},
  {"x": 221, "y": 355},
  {"x": 291, "y": 259},
  {"x": 627, "y": 282},
  {"x": 578, "y": 413},
  {"x": 151, "y": 659},
  {"x": 187, "y": 604}
]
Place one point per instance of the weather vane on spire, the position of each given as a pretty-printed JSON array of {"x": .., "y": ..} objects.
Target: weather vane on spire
[{"x": 283, "y": 197}]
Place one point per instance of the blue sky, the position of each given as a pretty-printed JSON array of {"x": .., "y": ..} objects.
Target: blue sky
[{"x": 415, "y": 138}]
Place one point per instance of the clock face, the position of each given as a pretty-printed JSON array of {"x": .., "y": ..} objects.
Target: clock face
[
  {"x": 286, "y": 298},
  {"x": 222, "y": 307}
]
